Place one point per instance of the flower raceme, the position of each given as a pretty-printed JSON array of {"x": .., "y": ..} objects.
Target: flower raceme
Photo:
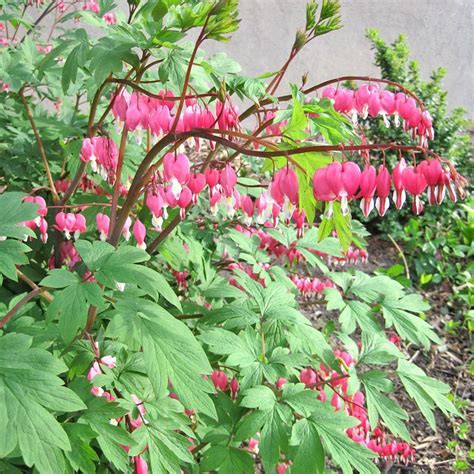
[
  {"x": 369, "y": 100},
  {"x": 102, "y": 154},
  {"x": 178, "y": 187},
  {"x": 140, "y": 112},
  {"x": 340, "y": 181}
]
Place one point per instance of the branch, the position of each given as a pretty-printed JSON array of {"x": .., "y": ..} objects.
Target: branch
[
  {"x": 40, "y": 147},
  {"x": 29, "y": 296},
  {"x": 74, "y": 183},
  {"x": 135, "y": 86},
  {"x": 118, "y": 174},
  {"x": 44, "y": 294},
  {"x": 284, "y": 98},
  {"x": 188, "y": 72}
]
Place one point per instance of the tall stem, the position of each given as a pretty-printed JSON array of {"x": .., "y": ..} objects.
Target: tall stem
[
  {"x": 41, "y": 149},
  {"x": 118, "y": 174}
]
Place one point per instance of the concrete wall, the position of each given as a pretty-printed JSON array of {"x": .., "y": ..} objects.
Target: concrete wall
[{"x": 440, "y": 33}]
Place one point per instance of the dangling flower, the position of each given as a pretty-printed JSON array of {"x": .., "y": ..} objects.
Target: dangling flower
[
  {"x": 184, "y": 200},
  {"x": 110, "y": 18},
  {"x": 126, "y": 228},
  {"x": 234, "y": 388},
  {"x": 432, "y": 171},
  {"x": 79, "y": 225},
  {"x": 103, "y": 224},
  {"x": 65, "y": 223},
  {"x": 219, "y": 379},
  {"x": 445, "y": 182},
  {"x": 227, "y": 180},
  {"x": 399, "y": 195},
  {"x": 387, "y": 103},
  {"x": 176, "y": 170},
  {"x": 322, "y": 190},
  {"x": 139, "y": 232},
  {"x": 288, "y": 185},
  {"x": 308, "y": 376},
  {"x": 212, "y": 179},
  {"x": 415, "y": 183},
  {"x": 247, "y": 208},
  {"x": 88, "y": 153},
  {"x": 368, "y": 183},
  {"x": 214, "y": 202},
  {"x": 382, "y": 203},
  {"x": 43, "y": 228}
]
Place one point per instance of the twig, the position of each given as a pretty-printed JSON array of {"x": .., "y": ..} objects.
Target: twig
[
  {"x": 29, "y": 296},
  {"x": 401, "y": 254},
  {"x": 40, "y": 147},
  {"x": 44, "y": 294}
]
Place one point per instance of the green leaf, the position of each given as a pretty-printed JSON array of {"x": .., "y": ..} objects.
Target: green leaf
[
  {"x": 309, "y": 162},
  {"x": 309, "y": 452},
  {"x": 171, "y": 352},
  {"x": 232, "y": 316},
  {"x": 29, "y": 391},
  {"x": 331, "y": 424},
  {"x": 12, "y": 253},
  {"x": 274, "y": 436},
  {"x": 60, "y": 278},
  {"x": 399, "y": 313},
  {"x": 249, "y": 425},
  {"x": 261, "y": 397},
  {"x": 380, "y": 406},
  {"x": 14, "y": 211},
  {"x": 107, "y": 57},
  {"x": 81, "y": 457},
  {"x": 426, "y": 391},
  {"x": 227, "y": 460},
  {"x": 224, "y": 342},
  {"x": 377, "y": 349},
  {"x": 168, "y": 448},
  {"x": 111, "y": 438},
  {"x": 342, "y": 224},
  {"x": 111, "y": 266},
  {"x": 70, "y": 305},
  {"x": 75, "y": 59}
]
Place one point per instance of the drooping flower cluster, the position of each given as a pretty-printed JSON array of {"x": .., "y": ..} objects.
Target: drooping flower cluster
[
  {"x": 70, "y": 223},
  {"x": 330, "y": 383},
  {"x": 221, "y": 383},
  {"x": 44, "y": 49},
  {"x": 370, "y": 100},
  {"x": 273, "y": 247},
  {"x": 40, "y": 221},
  {"x": 110, "y": 18},
  {"x": 345, "y": 181},
  {"x": 311, "y": 287},
  {"x": 68, "y": 255},
  {"x": 91, "y": 6},
  {"x": 102, "y": 154},
  {"x": 140, "y": 112}
]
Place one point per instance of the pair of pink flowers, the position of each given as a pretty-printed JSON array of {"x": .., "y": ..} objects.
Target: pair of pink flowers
[
  {"x": 70, "y": 223},
  {"x": 221, "y": 382},
  {"x": 40, "y": 221}
]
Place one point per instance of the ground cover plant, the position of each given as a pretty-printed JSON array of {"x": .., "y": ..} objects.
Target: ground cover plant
[{"x": 157, "y": 243}]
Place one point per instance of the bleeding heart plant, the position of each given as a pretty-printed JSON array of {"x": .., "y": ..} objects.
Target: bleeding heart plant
[{"x": 184, "y": 350}]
